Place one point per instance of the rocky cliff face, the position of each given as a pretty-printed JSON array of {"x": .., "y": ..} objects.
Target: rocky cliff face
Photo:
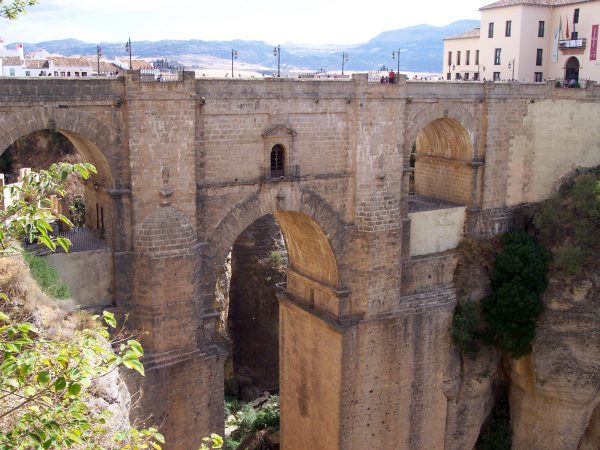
[{"x": 554, "y": 392}]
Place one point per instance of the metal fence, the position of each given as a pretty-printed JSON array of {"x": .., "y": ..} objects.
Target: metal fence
[
  {"x": 161, "y": 75},
  {"x": 292, "y": 171},
  {"x": 82, "y": 239}
]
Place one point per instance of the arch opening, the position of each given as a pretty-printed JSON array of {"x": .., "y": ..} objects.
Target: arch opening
[
  {"x": 287, "y": 252},
  {"x": 443, "y": 154},
  {"x": 87, "y": 204},
  {"x": 440, "y": 187},
  {"x": 572, "y": 69}
]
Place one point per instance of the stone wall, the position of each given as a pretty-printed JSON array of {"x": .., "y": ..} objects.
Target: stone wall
[{"x": 183, "y": 165}]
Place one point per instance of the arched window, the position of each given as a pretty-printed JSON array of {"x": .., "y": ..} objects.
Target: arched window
[
  {"x": 277, "y": 161},
  {"x": 572, "y": 69}
]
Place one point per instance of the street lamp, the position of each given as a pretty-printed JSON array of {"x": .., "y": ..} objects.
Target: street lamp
[
  {"x": 234, "y": 55},
  {"x": 277, "y": 52},
  {"x": 344, "y": 60},
  {"x": 511, "y": 64},
  {"x": 396, "y": 55},
  {"x": 98, "y": 55},
  {"x": 128, "y": 49}
]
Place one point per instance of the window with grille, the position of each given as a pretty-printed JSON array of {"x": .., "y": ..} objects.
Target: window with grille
[
  {"x": 497, "y": 54},
  {"x": 458, "y": 58},
  {"x": 496, "y": 76},
  {"x": 538, "y": 57},
  {"x": 468, "y": 58},
  {"x": 477, "y": 57},
  {"x": 491, "y": 30},
  {"x": 541, "y": 28},
  {"x": 576, "y": 15},
  {"x": 277, "y": 161},
  {"x": 538, "y": 77},
  {"x": 449, "y": 58},
  {"x": 508, "y": 30}
]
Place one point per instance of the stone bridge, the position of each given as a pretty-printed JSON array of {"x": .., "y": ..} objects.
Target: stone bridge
[{"x": 184, "y": 167}]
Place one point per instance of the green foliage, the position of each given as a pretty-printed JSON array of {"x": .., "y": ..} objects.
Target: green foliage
[
  {"x": 30, "y": 216},
  {"x": 519, "y": 277},
  {"x": 569, "y": 223},
  {"x": 557, "y": 84},
  {"x": 275, "y": 259},
  {"x": 523, "y": 260},
  {"x": 10, "y": 9},
  {"x": 46, "y": 386},
  {"x": 77, "y": 210},
  {"x": 213, "y": 442},
  {"x": 268, "y": 415},
  {"x": 232, "y": 405},
  {"x": 46, "y": 277},
  {"x": 569, "y": 259},
  {"x": 231, "y": 444},
  {"x": 497, "y": 434},
  {"x": 249, "y": 420},
  {"x": 465, "y": 327}
]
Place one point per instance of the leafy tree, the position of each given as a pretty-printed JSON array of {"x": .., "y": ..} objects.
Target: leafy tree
[
  {"x": 46, "y": 384},
  {"x": 10, "y": 9},
  {"x": 519, "y": 278}
]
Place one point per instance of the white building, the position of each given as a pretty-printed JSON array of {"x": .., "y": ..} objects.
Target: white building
[{"x": 528, "y": 40}]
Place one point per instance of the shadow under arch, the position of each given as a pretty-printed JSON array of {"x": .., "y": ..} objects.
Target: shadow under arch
[
  {"x": 94, "y": 141},
  {"x": 444, "y": 161}
]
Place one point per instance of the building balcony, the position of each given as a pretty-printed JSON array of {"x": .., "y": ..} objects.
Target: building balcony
[{"x": 567, "y": 44}]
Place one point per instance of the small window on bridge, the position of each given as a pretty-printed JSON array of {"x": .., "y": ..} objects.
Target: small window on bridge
[{"x": 277, "y": 161}]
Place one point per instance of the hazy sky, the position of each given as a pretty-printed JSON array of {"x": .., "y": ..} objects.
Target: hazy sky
[{"x": 273, "y": 21}]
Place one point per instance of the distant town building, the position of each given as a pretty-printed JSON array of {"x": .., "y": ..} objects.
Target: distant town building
[{"x": 528, "y": 40}]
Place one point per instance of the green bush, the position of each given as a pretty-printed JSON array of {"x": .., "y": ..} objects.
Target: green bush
[
  {"x": 569, "y": 259},
  {"x": 245, "y": 421},
  {"x": 519, "y": 278},
  {"x": 232, "y": 405},
  {"x": 465, "y": 326},
  {"x": 268, "y": 415},
  {"x": 47, "y": 277},
  {"x": 231, "y": 444},
  {"x": 557, "y": 84}
]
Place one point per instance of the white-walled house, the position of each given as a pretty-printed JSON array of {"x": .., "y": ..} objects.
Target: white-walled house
[{"x": 530, "y": 40}]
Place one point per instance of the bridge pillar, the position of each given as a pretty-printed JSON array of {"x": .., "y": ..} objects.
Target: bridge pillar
[{"x": 178, "y": 388}]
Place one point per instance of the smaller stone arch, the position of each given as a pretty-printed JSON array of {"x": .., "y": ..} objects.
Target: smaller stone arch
[{"x": 443, "y": 162}]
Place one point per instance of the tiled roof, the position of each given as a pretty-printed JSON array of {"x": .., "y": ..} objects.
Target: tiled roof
[
  {"x": 36, "y": 64},
  {"x": 12, "y": 61},
  {"x": 62, "y": 61},
  {"x": 474, "y": 33},
  {"x": 550, "y": 3}
]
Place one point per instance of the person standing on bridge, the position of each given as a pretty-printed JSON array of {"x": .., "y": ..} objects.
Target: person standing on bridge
[{"x": 392, "y": 77}]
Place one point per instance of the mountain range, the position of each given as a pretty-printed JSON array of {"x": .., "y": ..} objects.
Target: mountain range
[{"x": 421, "y": 49}]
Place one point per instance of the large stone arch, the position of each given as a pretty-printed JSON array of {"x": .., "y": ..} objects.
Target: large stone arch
[
  {"x": 96, "y": 142},
  {"x": 274, "y": 201}
]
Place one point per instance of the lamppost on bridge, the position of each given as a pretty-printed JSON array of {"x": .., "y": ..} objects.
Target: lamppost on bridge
[
  {"x": 277, "y": 52},
  {"x": 98, "y": 55},
  {"x": 511, "y": 65},
  {"x": 128, "y": 49},
  {"x": 234, "y": 55},
  {"x": 344, "y": 60},
  {"x": 396, "y": 55}
]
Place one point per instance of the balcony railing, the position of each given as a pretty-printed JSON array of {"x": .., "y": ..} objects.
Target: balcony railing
[
  {"x": 160, "y": 75},
  {"x": 572, "y": 43},
  {"x": 269, "y": 174},
  {"x": 82, "y": 240}
]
